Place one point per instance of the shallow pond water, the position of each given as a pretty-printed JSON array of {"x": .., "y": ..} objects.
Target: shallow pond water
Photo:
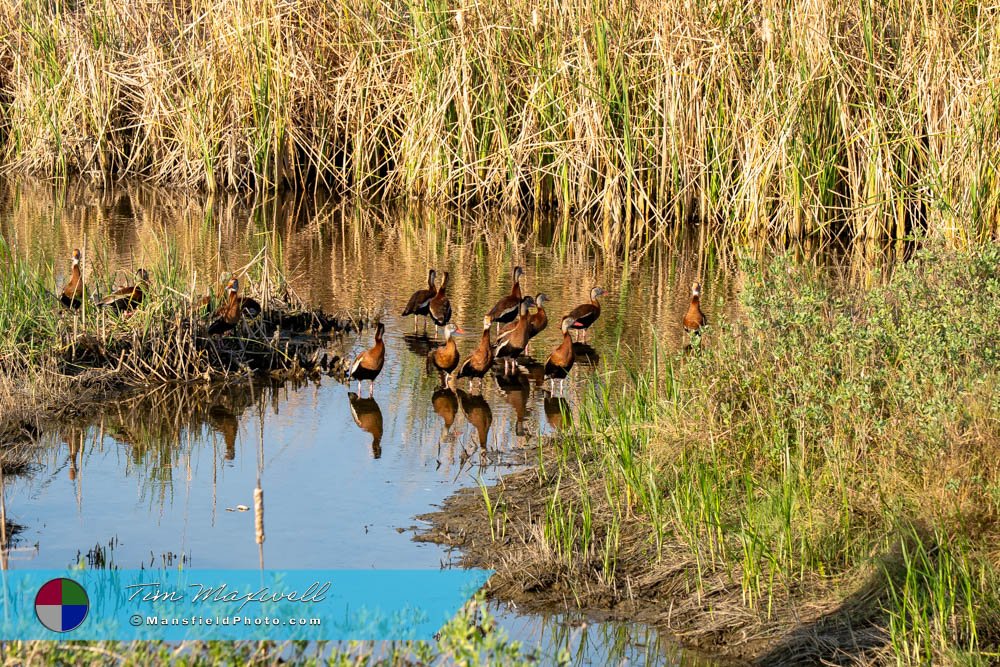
[{"x": 160, "y": 478}]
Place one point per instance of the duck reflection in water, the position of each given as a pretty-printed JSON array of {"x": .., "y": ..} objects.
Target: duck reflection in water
[
  {"x": 419, "y": 344},
  {"x": 477, "y": 412},
  {"x": 557, "y": 412},
  {"x": 368, "y": 416},
  {"x": 225, "y": 422},
  {"x": 74, "y": 443},
  {"x": 585, "y": 355},
  {"x": 517, "y": 388},
  {"x": 534, "y": 370},
  {"x": 445, "y": 404}
]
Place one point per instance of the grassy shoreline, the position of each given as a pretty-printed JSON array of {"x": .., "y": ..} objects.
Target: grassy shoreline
[
  {"x": 56, "y": 361},
  {"x": 816, "y": 481},
  {"x": 876, "y": 119}
]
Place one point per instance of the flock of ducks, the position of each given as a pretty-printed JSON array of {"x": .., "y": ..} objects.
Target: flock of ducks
[
  {"x": 126, "y": 298},
  {"x": 121, "y": 299},
  {"x": 515, "y": 324}
]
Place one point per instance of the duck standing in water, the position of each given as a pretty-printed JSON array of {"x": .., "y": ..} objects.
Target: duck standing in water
[
  {"x": 479, "y": 362},
  {"x": 128, "y": 297},
  {"x": 586, "y": 314},
  {"x": 419, "y": 303},
  {"x": 229, "y": 314},
  {"x": 445, "y": 357},
  {"x": 539, "y": 319},
  {"x": 512, "y": 345},
  {"x": 369, "y": 363},
  {"x": 72, "y": 292},
  {"x": 506, "y": 309},
  {"x": 560, "y": 362},
  {"x": 536, "y": 323},
  {"x": 694, "y": 319},
  {"x": 440, "y": 306}
]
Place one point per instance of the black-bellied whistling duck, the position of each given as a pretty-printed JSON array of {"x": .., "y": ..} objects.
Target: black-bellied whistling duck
[
  {"x": 560, "y": 362},
  {"x": 368, "y": 416},
  {"x": 72, "y": 292},
  {"x": 506, "y": 309},
  {"x": 128, "y": 297},
  {"x": 445, "y": 357},
  {"x": 479, "y": 414},
  {"x": 229, "y": 313},
  {"x": 539, "y": 319},
  {"x": 419, "y": 303},
  {"x": 249, "y": 306},
  {"x": 586, "y": 314},
  {"x": 369, "y": 363},
  {"x": 216, "y": 294},
  {"x": 479, "y": 362},
  {"x": 440, "y": 307},
  {"x": 511, "y": 347},
  {"x": 536, "y": 323},
  {"x": 694, "y": 319}
]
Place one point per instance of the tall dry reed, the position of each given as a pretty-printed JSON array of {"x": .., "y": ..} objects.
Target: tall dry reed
[{"x": 783, "y": 118}]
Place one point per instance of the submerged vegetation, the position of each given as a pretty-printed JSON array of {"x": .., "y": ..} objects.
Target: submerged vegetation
[
  {"x": 815, "y": 480},
  {"x": 870, "y": 119}
]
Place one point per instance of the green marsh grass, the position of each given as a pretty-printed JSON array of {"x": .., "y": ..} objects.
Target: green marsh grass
[
  {"x": 27, "y": 330},
  {"x": 825, "y": 457},
  {"x": 875, "y": 119}
]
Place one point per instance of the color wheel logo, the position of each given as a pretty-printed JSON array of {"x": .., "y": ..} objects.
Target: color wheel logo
[{"x": 61, "y": 605}]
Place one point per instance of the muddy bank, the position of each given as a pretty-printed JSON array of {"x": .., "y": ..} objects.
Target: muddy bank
[
  {"x": 816, "y": 621},
  {"x": 95, "y": 370}
]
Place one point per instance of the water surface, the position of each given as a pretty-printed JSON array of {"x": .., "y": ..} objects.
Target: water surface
[{"x": 163, "y": 477}]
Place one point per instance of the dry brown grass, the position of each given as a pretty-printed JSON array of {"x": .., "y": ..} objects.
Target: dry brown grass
[{"x": 769, "y": 117}]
